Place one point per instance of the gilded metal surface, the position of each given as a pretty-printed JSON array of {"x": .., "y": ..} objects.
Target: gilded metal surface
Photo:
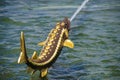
[{"x": 52, "y": 46}]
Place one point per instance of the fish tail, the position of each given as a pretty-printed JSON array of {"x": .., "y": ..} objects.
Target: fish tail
[{"x": 23, "y": 58}]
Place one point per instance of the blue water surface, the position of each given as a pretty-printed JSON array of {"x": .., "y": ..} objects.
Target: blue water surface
[{"x": 95, "y": 32}]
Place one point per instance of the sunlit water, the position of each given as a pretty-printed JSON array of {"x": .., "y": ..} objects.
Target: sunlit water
[{"x": 95, "y": 32}]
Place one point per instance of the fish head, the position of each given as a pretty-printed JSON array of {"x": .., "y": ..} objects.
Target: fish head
[{"x": 66, "y": 24}]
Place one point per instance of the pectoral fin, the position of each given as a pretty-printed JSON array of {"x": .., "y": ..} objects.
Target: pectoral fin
[
  {"x": 68, "y": 43},
  {"x": 44, "y": 72},
  {"x": 41, "y": 43}
]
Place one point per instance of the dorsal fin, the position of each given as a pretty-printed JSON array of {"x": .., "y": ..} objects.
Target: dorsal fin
[{"x": 34, "y": 56}]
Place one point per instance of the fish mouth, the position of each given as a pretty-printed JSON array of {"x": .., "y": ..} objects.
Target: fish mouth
[{"x": 67, "y": 23}]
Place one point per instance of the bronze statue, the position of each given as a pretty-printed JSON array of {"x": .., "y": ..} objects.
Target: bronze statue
[{"x": 52, "y": 46}]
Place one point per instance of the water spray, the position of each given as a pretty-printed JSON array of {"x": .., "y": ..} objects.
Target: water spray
[{"x": 78, "y": 10}]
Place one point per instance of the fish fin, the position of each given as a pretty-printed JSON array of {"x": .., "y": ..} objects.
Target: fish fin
[
  {"x": 23, "y": 56},
  {"x": 66, "y": 32},
  {"x": 34, "y": 56},
  {"x": 68, "y": 43},
  {"x": 42, "y": 43},
  {"x": 44, "y": 72},
  {"x": 30, "y": 70}
]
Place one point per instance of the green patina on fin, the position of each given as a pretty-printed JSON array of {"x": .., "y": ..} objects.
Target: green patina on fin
[
  {"x": 30, "y": 70},
  {"x": 44, "y": 72},
  {"x": 68, "y": 43}
]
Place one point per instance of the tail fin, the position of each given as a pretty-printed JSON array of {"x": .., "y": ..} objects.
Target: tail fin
[{"x": 23, "y": 55}]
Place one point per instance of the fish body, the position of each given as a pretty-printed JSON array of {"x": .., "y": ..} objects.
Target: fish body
[{"x": 52, "y": 46}]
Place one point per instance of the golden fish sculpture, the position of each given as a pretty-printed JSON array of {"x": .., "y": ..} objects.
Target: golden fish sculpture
[{"x": 52, "y": 46}]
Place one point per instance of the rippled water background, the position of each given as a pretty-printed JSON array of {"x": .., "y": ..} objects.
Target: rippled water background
[{"x": 95, "y": 32}]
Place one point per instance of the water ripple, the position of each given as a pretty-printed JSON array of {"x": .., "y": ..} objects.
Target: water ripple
[{"x": 95, "y": 32}]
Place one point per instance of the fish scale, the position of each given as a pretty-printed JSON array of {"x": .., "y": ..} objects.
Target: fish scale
[{"x": 46, "y": 51}]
